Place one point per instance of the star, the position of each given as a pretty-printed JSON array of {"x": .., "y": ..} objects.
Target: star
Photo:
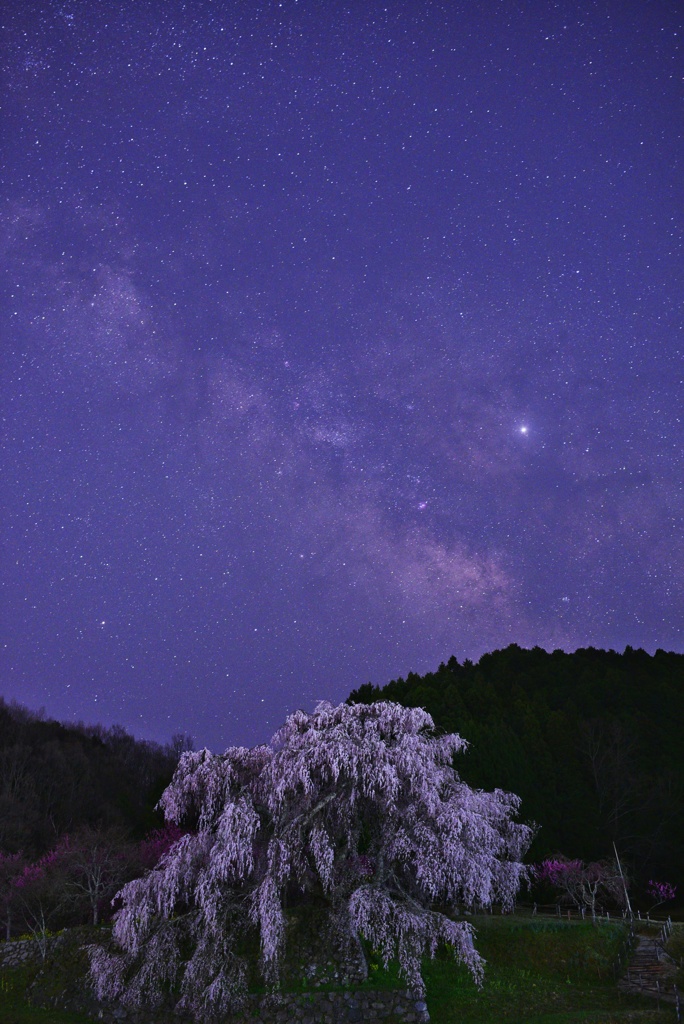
[{"x": 196, "y": 400}]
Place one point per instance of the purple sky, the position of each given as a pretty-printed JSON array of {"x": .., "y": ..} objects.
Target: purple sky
[{"x": 336, "y": 339}]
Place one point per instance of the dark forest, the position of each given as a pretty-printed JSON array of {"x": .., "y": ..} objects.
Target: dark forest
[
  {"x": 57, "y": 778},
  {"x": 591, "y": 741}
]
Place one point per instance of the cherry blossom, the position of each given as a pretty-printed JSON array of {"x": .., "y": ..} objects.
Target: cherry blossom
[{"x": 355, "y": 808}]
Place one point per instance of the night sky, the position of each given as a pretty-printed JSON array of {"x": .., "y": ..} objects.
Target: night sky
[{"x": 336, "y": 338}]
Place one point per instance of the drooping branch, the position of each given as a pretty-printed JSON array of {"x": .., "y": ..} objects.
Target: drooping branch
[{"x": 361, "y": 801}]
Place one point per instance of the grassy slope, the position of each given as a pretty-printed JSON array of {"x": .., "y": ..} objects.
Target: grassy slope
[
  {"x": 15, "y": 1010},
  {"x": 538, "y": 972}
]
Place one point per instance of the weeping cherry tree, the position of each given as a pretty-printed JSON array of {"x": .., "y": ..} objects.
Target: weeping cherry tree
[{"x": 356, "y": 808}]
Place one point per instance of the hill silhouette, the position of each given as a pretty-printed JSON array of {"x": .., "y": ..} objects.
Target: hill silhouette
[
  {"x": 55, "y": 778},
  {"x": 592, "y": 741}
]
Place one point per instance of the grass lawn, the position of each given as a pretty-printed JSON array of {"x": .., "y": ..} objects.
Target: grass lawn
[
  {"x": 538, "y": 972},
  {"x": 15, "y": 1010}
]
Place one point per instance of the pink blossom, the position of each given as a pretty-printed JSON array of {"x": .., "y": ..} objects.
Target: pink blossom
[
  {"x": 158, "y": 842},
  {"x": 357, "y": 804},
  {"x": 584, "y": 885},
  {"x": 661, "y": 892}
]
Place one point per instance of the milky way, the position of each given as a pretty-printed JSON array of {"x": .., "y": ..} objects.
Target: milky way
[{"x": 336, "y": 339}]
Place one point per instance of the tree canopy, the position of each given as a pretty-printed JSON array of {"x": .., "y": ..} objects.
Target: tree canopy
[
  {"x": 57, "y": 778},
  {"x": 356, "y": 808},
  {"x": 590, "y": 741}
]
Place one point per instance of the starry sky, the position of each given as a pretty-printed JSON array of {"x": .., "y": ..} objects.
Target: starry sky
[{"x": 336, "y": 339}]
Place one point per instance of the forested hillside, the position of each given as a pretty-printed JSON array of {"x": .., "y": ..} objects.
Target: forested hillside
[
  {"x": 56, "y": 778},
  {"x": 593, "y": 742}
]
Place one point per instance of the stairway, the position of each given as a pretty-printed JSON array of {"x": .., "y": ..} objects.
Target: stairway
[{"x": 650, "y": 970}]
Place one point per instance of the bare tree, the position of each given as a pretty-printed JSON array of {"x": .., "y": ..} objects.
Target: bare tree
[
  {"x": 11, "y": 867},
  {"x": 97, "y": 862},
  {"x": 610, "y": 751},
  {"x": 38, "y": 890},
  {"x": 585, "y": 885}
]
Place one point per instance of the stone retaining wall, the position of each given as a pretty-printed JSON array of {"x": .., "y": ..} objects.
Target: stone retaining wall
[
  {"x": 18, "y": 952},
  {"x": 348, "y": 1007},
  {"x": 362, "y": 1007},
  {"x": 343, "y": 1008}
]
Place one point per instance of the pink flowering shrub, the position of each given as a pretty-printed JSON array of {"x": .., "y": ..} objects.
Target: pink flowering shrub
[
  {"x": 556, "y": 871},
  {"x": 358, "y": 808},
  {"x": 34, "y": 873},
  {"x": 158, "y": 842},
  {"x": 37, "y": 892},
  {"x": 661, "y": 892},
  {"x": 583, "y": 885}
]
